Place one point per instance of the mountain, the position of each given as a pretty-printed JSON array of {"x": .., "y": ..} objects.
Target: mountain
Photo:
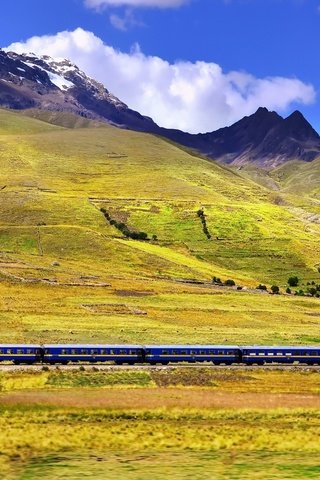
[
  {"x": 264, "y": 138},
  {"x": 267, "y": 139},
  {"x": 28, "y": 81}
]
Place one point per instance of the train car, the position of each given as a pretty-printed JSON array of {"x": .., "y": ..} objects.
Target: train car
[
  {"x": 20, "y": 353},
  {"x": 285, "y": 355},
  {"x": 93, "y": 353},
  {"x": 215, "y": 354}
]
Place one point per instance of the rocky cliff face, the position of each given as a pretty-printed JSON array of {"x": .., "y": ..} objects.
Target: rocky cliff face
[{"x": 264, "y": 138}]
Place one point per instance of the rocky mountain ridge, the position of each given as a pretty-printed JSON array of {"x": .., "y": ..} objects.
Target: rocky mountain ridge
[
  {"x": 264, "y": 138},
  {"x": 28, "y": 81}
]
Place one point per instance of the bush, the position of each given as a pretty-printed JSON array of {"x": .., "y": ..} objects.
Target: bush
[
  {"x": 275, "y": 289},
  {"x": 293, "y": 281},
  {"x": 230, "y": 283},
  {"x": 143, "y": 235},
  {"x": 288, "y": 290},
  {"x": 261, "y": 287},
  {"x": 216, "y": 280},
  {"x": 312, "y": 291}
]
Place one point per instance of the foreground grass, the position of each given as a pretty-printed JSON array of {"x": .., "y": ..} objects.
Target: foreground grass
[
  {"x": 180, "y": 466},
  {"x": 30, "y": 434},
  {"x": 126, "y": 424},
  {"x": 222, "y": 379}
]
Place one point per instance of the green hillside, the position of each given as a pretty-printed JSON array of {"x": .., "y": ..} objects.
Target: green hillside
[{"x": 54, "y": 238}]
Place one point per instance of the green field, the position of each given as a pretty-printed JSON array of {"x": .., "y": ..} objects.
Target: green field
[{"x": 68, "y": 275}]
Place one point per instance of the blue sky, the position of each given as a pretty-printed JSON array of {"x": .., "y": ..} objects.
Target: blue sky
[{"x": 193, "y": 64}]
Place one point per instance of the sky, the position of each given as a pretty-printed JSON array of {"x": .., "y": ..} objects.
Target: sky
[{"x": 197, "y": 65}]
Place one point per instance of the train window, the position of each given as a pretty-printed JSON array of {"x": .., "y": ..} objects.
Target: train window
[
  {"x": 252, "y": 354},
  {"x": 30, "y": 351},
  {"x": 73, "y": 351},
  {"x": 164, "y": 352},
  {"x": 20, "y": 351},
  {"x": 279, "y": 354},
  {"x": 84, "y": 351},
  {"x": 270, "y": 354},
  {"x": 133, "y": 352},
  {"x": 94, "y": 351},
  {"x": 123, "y": 352},
  {"x": 1, "y": 352},
  {"x": 64, "y": 351},
  {"x": 313, "y": 354},
  {"x": 10, "y": 350},
  {"x": 288, "y": 354},
  {"x": 261, "y": 353}
]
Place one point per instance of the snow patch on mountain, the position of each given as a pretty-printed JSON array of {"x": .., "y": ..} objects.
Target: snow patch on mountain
[{"x": 59, "y": 81}]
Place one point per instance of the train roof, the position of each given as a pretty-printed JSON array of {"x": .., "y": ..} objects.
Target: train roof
[
  {"x": 277, "y": 347},
  {"x": 192, "y": 346}
]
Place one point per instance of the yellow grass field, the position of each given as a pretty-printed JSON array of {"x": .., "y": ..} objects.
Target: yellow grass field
[
  {"x": 69, "y": 275},
  {"x": 131, "y": 423}
]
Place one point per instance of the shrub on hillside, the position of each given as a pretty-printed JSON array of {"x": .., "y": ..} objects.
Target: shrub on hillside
[
  {"x": 293, "y": 281},
  {"x": 275, "y": 289},
  {"x": 217, "y": 281}
]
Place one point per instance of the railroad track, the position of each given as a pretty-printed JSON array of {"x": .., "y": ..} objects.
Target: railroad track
[{"x": 108, "y": 367}]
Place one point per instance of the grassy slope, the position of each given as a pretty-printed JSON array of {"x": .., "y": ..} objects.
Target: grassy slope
[
  {"x": 54, "y": 237},
  {"x": 67, "y": 276}
]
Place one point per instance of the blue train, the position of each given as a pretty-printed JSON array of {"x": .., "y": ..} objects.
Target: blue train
[{"x": 159, "y": 354}]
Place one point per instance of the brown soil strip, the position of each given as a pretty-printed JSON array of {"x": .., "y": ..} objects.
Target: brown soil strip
[{"x": 149, "y": 398}]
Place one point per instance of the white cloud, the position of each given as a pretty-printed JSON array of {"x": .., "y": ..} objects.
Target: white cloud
[
  {"x": 190, "y": 96},
  {"x": 135, "y": 3},
  {"x": 124, "y": 22}
]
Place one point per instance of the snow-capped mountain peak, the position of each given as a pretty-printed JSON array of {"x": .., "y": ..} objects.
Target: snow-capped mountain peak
[{"x": 48, "y": 77}]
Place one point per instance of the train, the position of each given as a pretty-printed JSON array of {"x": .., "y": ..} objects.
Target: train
[{"x": 158, "y": 354}]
